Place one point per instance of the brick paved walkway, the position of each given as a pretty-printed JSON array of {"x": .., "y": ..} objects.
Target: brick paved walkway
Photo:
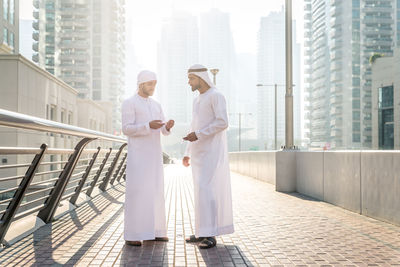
[{"x": 272, "y": 229}]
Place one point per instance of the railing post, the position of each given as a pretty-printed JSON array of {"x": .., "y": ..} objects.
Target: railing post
[
  {"x": 103, "y": 186},
  {"x": 118, "y": 169},
  {"x": 82, "y": 182},
  {"x": 20, "y": 193},
  {"x": 51, "y": 204},
  {"x": 121, "y": 173},
  {"x": 99, "y": 171}
]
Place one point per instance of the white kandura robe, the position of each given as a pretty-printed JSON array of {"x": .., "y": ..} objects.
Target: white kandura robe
[
  {"x": 144, "y": 196},
  {"x": 210, "y": 166}
]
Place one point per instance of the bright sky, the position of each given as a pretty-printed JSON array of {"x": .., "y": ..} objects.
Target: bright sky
[{"x": 146, "y": 19}]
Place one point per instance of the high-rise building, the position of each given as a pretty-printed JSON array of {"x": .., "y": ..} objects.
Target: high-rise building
[
  {"x": 178, "y": 49},
  {"x": 385, "y": 94},
  {"x": 82, "y": 42},
  {"x": 217, "y": 50},
  {"x": 63, "y": 35},
  {"x": 108, "y": 52},
  {"x": 271, "y": 71},
  {"x": 340, "y": 37},
  {"x": 9, "y": 26}
]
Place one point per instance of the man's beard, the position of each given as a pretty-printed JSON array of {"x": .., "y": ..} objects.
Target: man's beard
[
  {"x": 147, "y": 92},
  {"x": 195, "y": 87}
]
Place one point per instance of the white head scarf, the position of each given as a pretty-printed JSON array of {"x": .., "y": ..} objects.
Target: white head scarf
[
  {"x": 202, "y": 72},
  {"x": 146, "y": 76}
]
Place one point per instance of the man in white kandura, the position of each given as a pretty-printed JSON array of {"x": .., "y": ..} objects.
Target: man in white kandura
[
  {"x": 142, "y": 122},
  {"x": 208, "y": 154}
]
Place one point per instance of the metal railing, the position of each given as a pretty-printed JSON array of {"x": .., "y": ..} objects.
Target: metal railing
[{"x": 54, "y": 175}]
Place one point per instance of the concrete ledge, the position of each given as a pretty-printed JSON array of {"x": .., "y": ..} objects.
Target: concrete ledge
[
  {"x": 366, "y": 182},
  {"x": 285, "y": 171},
  {"x": 380, "y": 185},
  {"x": 64, "y": 207},
  {"x": 27, "y": 225},
  {"x": 21, "y": 228},
  {"x": 342, "y": 179},
  {"x": 82, "y": 199},
  {"x": 257, "y": 164},
  {"x": 310, "y": 174}
]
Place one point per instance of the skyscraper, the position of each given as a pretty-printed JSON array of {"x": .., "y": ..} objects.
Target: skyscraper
[
  {"x": 82, "y": 42},
  {"x": 178, "y": 49},
  {"x": 108, "y": 41},
  {"x": 63, "y": 46},
  {"x": 9, "y": 26},
  {"x": 217, "y": 51},
  {"x": 270, "y": 71},
  {"x": 341, "y": 36}
]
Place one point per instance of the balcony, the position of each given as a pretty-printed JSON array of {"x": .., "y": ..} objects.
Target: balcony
[
  {"x": 74, "y": 44},
  {"x": 336, "y": 99},
  {"x": 74, "y": 56},
  {"x": 36, "y": 14},
  {"x": 35, "y": 47},
  {"x": 369, "y": 20},
  {"x": 35, "y": 57},
  {"x": 35, "y": 25},
  {"x": 377, "y": 9},
  {"x": 35, "y": 35},
  {"x": 36, "y": 4}
]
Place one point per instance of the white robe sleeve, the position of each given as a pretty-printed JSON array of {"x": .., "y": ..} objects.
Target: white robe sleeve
[
  {"x": 188, "y": 149},
  {"x": 164, "y": 130},
  {"x": 220, "y": 122},
  {"x": 129, "y": 126}
]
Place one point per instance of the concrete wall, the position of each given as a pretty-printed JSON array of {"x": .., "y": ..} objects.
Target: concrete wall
[
  {"x": 260, "y": 165},
  {"x": 380, "y": 185},
  {"x": 366, "y": 182},
  {"x": 309, "y": 174},
  {"x": 342, "y": 179}
]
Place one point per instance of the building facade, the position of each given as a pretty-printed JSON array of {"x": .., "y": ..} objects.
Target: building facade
[
  {"x": 28, "y": 89},
  {"x": 340, "y": 38},
  {"x": 385, "y": 99},
  {"x": 9, "y": 24},
  {"x": 83, "y": 43}
]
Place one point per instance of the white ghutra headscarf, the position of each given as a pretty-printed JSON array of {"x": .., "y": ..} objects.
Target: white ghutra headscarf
[{"x": 202, "y": 72}]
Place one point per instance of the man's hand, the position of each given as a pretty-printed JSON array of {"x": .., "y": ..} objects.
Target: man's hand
[
  {"x": 156, "y": 124},
  {"x": 191, "y": 137},
  {"x": 185, "y": 161},
  {"x": 169, "y": 125}
]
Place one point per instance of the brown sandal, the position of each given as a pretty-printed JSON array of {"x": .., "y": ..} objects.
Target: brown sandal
[
  {"x": 194, "y": 239},
  {"x": 208, "y": 242},
  {"x": 133, "y": 243},
  {"x": 161, "y": 239}
]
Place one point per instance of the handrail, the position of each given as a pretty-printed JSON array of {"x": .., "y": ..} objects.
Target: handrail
[
  {"x": 84, "y": 170},
  {"x": 71, "y": 178},
  {"x": 17, "y": 120}
]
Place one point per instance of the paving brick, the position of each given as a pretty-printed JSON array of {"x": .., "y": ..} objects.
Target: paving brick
[{"x": 272, "y": 229}]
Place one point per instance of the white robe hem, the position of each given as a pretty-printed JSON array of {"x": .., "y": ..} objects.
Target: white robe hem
[
  {"x": 144, "y": 236},
  {"x": 204, "y": 232}
]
